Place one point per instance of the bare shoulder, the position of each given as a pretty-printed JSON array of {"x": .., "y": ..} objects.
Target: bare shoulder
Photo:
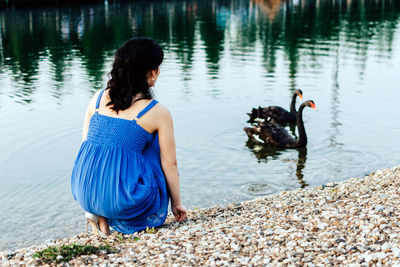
[
  {"x": 96, "y": 95},
  {"x": 162, "y": 109},
  {"x": 93, "y": 100},
  {"x": 162, "y": 112}
]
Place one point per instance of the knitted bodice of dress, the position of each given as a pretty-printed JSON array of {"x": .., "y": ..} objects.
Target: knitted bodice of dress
[{"x": 111, "y": 131}]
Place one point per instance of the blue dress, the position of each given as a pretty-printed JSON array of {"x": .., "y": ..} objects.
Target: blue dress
[{"x": 117, "y": 173}]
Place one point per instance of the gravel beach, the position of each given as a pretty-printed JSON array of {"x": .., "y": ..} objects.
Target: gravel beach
[{"x": 352, "y": 223}]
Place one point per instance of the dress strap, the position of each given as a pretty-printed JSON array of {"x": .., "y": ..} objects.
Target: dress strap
[
  {"x": 98, "y": 100},
  {"x": 147, "y": 108}
]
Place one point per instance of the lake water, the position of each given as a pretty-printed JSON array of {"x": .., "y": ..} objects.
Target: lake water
[{"x": 222, "y": 58}]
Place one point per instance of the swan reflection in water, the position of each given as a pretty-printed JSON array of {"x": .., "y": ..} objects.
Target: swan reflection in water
[{"x": 264, "y": 153}]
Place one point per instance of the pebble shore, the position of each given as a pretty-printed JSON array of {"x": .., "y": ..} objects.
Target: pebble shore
[{"x": 352, "y": 223}]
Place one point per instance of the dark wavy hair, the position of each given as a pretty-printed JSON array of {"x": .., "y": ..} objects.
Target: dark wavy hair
[{"x": 128, "y": 76}]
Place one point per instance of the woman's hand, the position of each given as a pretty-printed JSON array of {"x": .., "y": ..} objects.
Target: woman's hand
[{"x": 179, "y": 212}]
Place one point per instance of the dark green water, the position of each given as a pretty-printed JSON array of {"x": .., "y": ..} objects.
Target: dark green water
[{"x": 222, "y": 59}]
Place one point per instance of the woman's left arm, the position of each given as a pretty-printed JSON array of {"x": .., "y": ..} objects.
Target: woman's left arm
[
  {"x": 89, "y": 113},
  {"x": 88, "y": 116}
]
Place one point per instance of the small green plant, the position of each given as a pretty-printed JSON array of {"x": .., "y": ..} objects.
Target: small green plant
[
  {"x": 121, "y": 239},
  {"x": 151, "y": 230},
  {"x": 67, "y": 252}
]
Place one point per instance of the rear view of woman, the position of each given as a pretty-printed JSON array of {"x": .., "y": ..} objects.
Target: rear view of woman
[{"x": 126, "y": 168}]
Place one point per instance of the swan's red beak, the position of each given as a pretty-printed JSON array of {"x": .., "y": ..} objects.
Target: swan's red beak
[
  {"x": 301, "y": 96},
  {"x": 313, "y": 106}
]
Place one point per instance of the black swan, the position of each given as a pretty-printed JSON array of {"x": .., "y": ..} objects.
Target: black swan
[
  {"x": 276, "y": 113},
  {"x": 271, "y": 133}
]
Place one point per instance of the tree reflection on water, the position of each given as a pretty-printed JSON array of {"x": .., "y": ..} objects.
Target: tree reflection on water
[{"x": 92, "y": 32}]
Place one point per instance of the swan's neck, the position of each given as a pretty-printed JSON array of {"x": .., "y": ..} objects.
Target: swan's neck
[
  {"x": 293, "y": 105},
  {"x": 302, "y": 141}
]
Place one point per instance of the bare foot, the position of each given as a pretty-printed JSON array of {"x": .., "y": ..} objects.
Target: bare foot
[{"x": 104, "y": 227}]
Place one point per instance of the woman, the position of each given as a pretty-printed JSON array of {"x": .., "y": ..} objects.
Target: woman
[{"x": 126, "y": 168}]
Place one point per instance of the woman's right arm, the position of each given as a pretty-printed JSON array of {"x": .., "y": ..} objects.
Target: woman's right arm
[{"x": 169, "y": 162}]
